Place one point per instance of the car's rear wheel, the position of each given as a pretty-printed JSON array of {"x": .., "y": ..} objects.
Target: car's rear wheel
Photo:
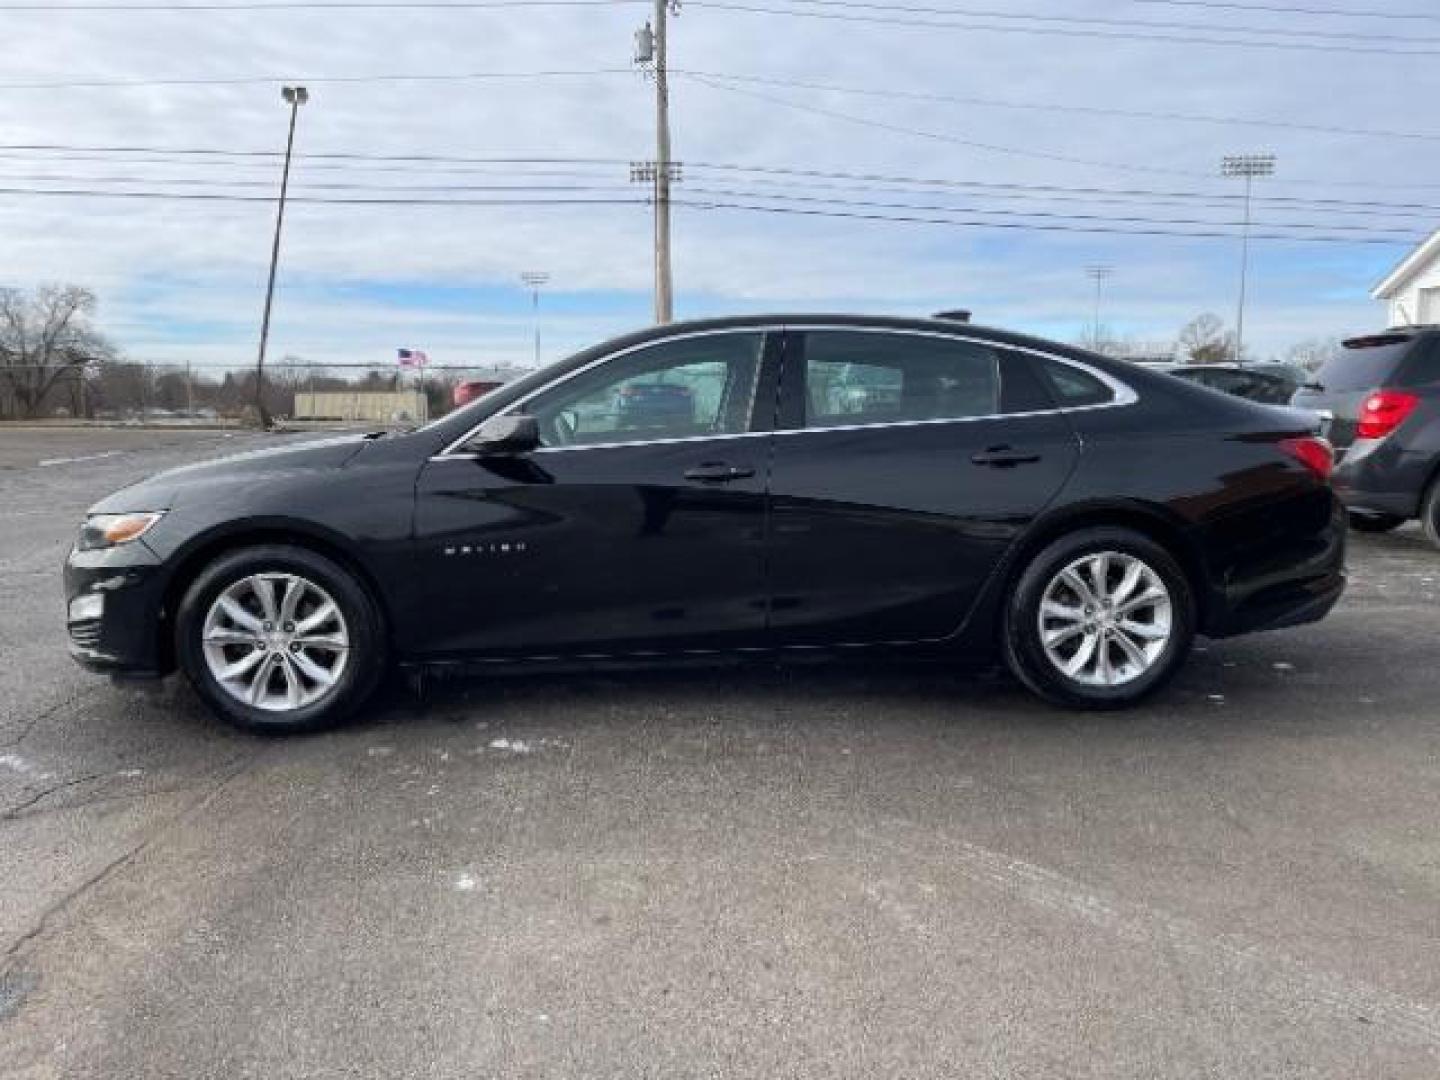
[
  {"x": 1430, "y": 512},
  {"x": 1375, "y": 523},
  {"x": 279, "y": 639},
  {"x": 1099, "y": 619}
]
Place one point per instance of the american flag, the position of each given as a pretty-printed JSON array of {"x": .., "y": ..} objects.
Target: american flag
[{"x": 412, "y": 357}]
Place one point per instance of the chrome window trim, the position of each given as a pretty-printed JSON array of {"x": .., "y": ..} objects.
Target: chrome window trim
[{"x": 1124, "y": 393}]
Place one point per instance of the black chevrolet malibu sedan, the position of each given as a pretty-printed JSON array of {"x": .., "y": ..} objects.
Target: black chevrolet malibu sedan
[{"x": 833, "y": 484}]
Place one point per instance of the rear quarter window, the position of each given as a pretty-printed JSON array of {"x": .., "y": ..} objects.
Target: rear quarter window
[{"x": 1073, "y": 388}]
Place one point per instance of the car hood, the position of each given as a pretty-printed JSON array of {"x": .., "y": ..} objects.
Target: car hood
[{"x": 169, "y": 489}]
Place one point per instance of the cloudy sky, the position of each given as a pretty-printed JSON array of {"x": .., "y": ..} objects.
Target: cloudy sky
[{"x": 838, "y": 155}]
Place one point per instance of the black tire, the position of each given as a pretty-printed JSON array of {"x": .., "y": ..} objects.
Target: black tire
[
  {"x": 364, "y": 666},
  {"x": 1375, "y": 523},
  {"x": 1025, "y": 652},
  {"x": 1430, "y": 512}
]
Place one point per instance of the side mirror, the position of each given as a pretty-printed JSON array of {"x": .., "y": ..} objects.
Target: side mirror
[{"x": 512, "y": 433}]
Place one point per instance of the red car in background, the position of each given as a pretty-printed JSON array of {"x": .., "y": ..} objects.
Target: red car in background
[{"x": 468, "y": 391}]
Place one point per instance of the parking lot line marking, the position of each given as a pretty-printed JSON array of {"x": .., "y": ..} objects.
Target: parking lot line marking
[{"x": 47, "y": 462}]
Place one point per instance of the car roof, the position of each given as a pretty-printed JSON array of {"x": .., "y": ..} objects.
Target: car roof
[{"x": 953, "y": 327}]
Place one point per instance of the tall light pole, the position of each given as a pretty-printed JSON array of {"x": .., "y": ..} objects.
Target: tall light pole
[
  {"x": 651, "y": 55},
  {"x": 533, "y": 280},
  {"x": 1098, "y": 273},
  {"x": 1249, "y": 166},
  {"x": 295, "y": 96}
]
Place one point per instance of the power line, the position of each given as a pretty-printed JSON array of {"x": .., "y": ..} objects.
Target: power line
[
  {"x": 1073, "y": 25},
  {"x": 1283, "y": 9},
  {"x": 222, "y": 152},
  {"x": 1029, "y": 214},
  {"x": 1099, "y": 229},
  {"x": 1189, "y": 39},
  {"x": 974, "y": 144},
  {"x": 1134, "y": 114},
  {"x": 903, "y": 186},
  {"x": 881, "y": 125},
  {"x": 576, "y": 167},
  {"x": 722, "y": 200},
  {"x": 977, "y": 189},
  {"x": 1093, "y": 20},
  {"x": 288, "y": 5},
  {"x": 760, "y": 80},
  {"x": 267, "y": 80}
]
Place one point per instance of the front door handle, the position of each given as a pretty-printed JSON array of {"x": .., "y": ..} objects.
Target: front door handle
[
  {"x": 1003, "y": 457},
  {"x": 718, "y": 472}
]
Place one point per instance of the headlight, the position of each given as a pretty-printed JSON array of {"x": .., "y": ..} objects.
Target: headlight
[{"x": 110, "y": 530}]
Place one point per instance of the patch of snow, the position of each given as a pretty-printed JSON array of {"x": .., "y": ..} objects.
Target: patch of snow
[
  {"x": 16, "y": 763},
  {"x": 515, "y": 746},
  {"x": 380, "y": 751},
  {"x": 1217, "y": 699},
  {"x": 465, "y": 883},
  {"x": 1283, "y": 665}
]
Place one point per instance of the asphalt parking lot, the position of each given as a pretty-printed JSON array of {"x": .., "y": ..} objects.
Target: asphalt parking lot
[{"x": 753, "y": 873}]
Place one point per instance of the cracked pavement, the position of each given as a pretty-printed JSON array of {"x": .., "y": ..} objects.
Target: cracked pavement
[{"x": 809, "y": 872}]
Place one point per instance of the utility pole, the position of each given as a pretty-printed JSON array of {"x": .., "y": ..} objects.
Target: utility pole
[
  {"x": 1249, "y": 166},
  {"x": 533, "y": 280},
  {"x": 1098, "y": 273},
  {"x": 295, "y": 96},
  {"x": 651, "y": 54}
]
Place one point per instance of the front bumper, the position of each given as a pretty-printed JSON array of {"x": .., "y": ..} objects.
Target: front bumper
[{"x": 114, "y": 603}]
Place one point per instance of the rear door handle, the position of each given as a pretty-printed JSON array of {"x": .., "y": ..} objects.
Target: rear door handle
[
  {"x": 717, "y": 472},
  {"x": 1003, "y": 457}
]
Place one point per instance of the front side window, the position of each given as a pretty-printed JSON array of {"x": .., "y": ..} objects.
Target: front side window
[
  {"x": 856, "y": 378},
  {"x": 688, "y": 388}
]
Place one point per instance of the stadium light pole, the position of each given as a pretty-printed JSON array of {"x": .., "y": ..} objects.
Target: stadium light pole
[
  {"x": 533, "y": 280},
  {"x": 1098, "y": 273},
  {"x": 294, "y": 96},
  {"x": 1248, "y": 166}
]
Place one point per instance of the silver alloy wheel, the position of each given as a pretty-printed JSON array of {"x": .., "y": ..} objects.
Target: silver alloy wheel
[
  {"x": 276, "y": 641},
  {"x": 1105, "y": 619}
]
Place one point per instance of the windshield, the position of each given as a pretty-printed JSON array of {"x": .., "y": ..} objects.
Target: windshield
[{"x": 1362, "y": 366}]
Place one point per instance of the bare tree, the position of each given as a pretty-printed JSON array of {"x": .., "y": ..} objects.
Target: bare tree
[
  {"x": 45, "y": 337},
  {"x": 1312, "y": 352},
  {"x": 1204, "y": 340}
]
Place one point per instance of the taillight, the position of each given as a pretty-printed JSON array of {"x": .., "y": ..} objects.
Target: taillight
[
  {"x": 1383, "y": 412},
  {"x": 1313, "y": 452}
]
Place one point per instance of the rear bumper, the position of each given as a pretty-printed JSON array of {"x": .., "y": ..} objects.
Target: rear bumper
[
  {"x": 113, "y": 605},
  {"x": 1293, "y": 583},
  {"x": 1381, "y": 477}
]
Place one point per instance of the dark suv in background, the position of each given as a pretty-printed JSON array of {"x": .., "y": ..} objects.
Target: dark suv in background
[{"x": 1384, "y": 393}]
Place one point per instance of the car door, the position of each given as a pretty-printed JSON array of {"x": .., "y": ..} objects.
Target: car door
[
  {"x": 905, "y": 465},
  {"x": 637, "y": 525}
]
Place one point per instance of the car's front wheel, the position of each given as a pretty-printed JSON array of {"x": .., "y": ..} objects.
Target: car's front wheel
[
  {"x": 1099, "y": 619},
  {"x": 279, "y": 639}
]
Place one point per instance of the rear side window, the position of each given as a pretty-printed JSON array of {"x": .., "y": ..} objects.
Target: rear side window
[
  {"x": 1072, "y": 387},
  {"x": 1365, "y": 363},
  {"x": 856, "y": 378}
]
